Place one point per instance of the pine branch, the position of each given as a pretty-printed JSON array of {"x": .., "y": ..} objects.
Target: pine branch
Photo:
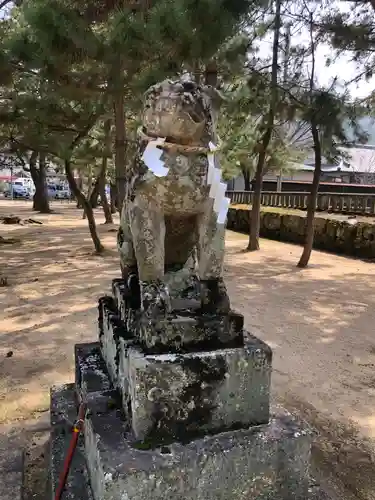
[{"x": 4, "y": 3}]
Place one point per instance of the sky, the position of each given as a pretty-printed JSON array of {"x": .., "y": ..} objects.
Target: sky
[{"x": 343, "y": 68}]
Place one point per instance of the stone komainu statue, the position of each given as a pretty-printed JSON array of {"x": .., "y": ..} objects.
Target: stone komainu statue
[{"x": 169, "y": 238}]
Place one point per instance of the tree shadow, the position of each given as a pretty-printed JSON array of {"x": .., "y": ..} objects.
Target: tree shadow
[{"x": 318, "y": 322}]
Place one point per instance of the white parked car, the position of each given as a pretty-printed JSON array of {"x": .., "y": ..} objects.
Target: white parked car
[
  {"x": 62, "y": 193},
  {"x": 58, "y": 192},
  {"x": 18, "y": 192}
]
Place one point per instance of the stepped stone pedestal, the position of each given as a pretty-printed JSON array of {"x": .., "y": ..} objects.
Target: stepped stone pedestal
[{"x": 191, "y": 423}]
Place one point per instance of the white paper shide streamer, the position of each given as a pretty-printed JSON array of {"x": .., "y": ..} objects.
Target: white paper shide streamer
[
  {"x": 211, "y": 163},
  {"x": 218, "y": 188},
  {"x": 151, "y": 158}
]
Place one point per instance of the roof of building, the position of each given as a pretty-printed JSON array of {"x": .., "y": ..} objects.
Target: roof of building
[
  {"x": 361, "y": 159},
  {"x": 361, "y": 156}
]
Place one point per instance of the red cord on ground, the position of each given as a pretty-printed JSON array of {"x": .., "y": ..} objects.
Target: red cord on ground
[{"x": 78, "y": 426}]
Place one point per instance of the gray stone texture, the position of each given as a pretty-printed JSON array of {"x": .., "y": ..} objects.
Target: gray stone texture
[
  {"x": 177, "y": 395},
  {"x": 91, "y": 371},
  {"x": 114, "y": 461},
  {"x": 11, "y": 472},
  {"x": 109, "y": 337},
  {"x": 183, "y": 329},
  {"x": 122, "y": 299},
  {"x": 63, "y": 414},
  {"x": 339, "y": 236},
  {"x": 267, "y": 462},
  {"x": 114, "y": 348},
  {"x": 175, "y": 331},
  {"x": 93, "y": 383},
  {"x": 167, "y": 219}
]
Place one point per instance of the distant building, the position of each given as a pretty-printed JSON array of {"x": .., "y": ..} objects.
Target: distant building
[
  {"x": 359, "y": 168},
  {"x": 7, "y": 174}
]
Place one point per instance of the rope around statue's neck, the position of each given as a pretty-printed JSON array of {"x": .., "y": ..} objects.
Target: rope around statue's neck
[{"x": 171, "y": 146}]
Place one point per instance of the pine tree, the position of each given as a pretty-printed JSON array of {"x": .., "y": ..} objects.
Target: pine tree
[
  {"x": 258, "y": 133},
  {"x": 241, "y": 130},
  {"x": 324, "y": 110},
  {"x": 120, "y": 48}
]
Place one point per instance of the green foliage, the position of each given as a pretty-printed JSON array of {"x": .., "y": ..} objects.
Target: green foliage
[
  {"x": 64, "y": 61},
  {"x": 241, "y": 128},
  {"x": 353, "y": 33},
  {"x": 56, "y": 36}
]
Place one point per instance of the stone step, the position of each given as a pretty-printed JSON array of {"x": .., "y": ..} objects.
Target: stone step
[
  {"x": 264, "y": 462},
  {"x": 267, "y": 461},
  {"x": 111, "y": 331},
  {"x": 91, "y": 375},
  {"x": 181, "y": 331},
  {"x": 93, "y": 383},
  {"x": 63, "y": 414},
  {"x": 63, "y": 407},
  {"x": 190, "y": 332},
  {"x": 174, "y": 396}
]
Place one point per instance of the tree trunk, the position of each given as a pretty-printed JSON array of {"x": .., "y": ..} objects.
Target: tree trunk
[
  {"x": 94, "y": 196},
  {"x": 105, "y": 205},
  {"x": 38, "y": 175},
  {"x": 120, "y": 147},
  {"x": 246, "y": 179},
  {"x": 80, "y": 187},
  {"x": 86, "y": 206},
  {"x": 255, "y": 206},
  {"x": 89, "y": 192},
  {"x": 311, "y": 208},
  {"x": 255, "y": 209},
  {"x": 102, "y": 177},
  {"x": 113, "y": 198}
]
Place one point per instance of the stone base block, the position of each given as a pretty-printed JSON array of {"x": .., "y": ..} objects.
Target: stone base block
[
  {"x": 181, "y": 331},
  {"x": 245, "y": 460},
  {"x": 91, "y": 374},
  {"x": 268, "y": 462},
  {"x": 63, "y": 414},
  {"x": 111, "y": 330},
  {"x": 177, "y": 396},
  {"x": 174, "y": 396}
]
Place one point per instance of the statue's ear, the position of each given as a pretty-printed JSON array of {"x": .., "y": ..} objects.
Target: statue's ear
[{"x": 215, "y": 96}]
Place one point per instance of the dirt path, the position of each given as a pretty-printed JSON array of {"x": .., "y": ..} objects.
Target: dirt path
[{"x": 318, "y": 321}]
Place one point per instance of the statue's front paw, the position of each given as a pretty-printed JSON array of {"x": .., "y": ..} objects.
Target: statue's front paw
[{"x": 155, "y": 298}]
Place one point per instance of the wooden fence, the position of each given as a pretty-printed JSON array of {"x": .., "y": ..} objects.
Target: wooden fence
[{"x": 363, "y": 204}]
